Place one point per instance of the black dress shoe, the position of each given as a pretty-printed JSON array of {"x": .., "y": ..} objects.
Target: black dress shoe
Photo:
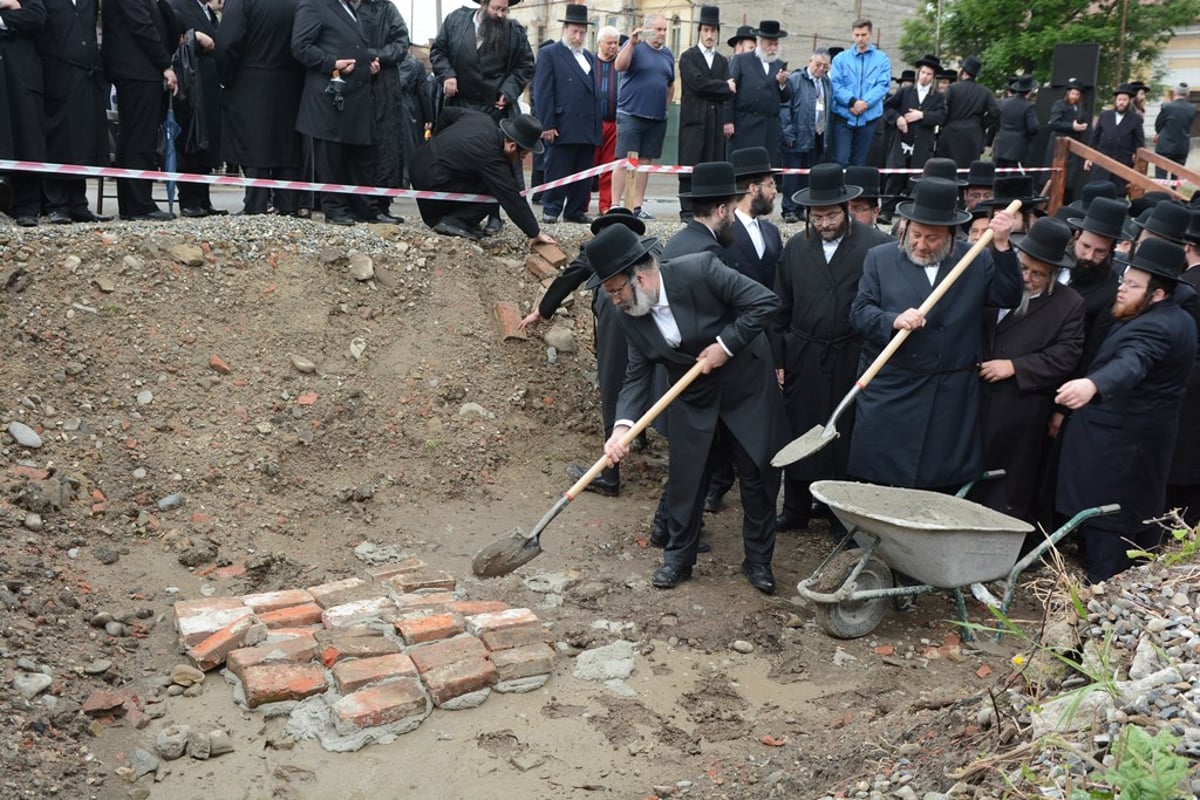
[
  {"x": 27, "y": 222},
  {"x": 788, "y": 216},
  {"x": 88, "y": 216},
  {"x": 712, "y": 501},
  {"x": 493, "y": 226},
  {"x": 386, "y": 219},
  {"x": 760, "y": 576},
  {"x": 607, "y": 483},
  {"x": 59, "y": 218},
  {"x": 216, "y": 212},
  {"x": 582, "y": 219},
  {"x": 158, "y": 215},
  {"x": 790, "y": 521},
  {"x": 340, "y": 219},
  {"x": 448, "y": 228},
  {"x": 668, "y": 576},
  {"x": 194, "y": 212}
]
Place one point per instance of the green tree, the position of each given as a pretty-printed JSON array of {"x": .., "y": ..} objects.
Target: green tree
[{"x": 1014, "y": 36}]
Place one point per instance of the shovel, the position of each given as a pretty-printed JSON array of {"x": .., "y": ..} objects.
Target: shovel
[
  {"x": 516, "y": 549},
  {"x": 818, "y": 437}
]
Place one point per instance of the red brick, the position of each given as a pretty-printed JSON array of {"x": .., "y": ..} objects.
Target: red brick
[
  {"x": 356, "y": 673},
  {"x": 416, "y": 630},
  {"x": 338, "y": 592},
  {"x": 551, "y": 252},
  {"x": 192, "y": 608},
  {"x": 273, "y": 601},
  {"x": 293, "y": 651},
  {"x": 519, "y": 636},
  {"x": 478, "y": 624},
  {"x": 462, "y": 677},
  {"x": 508, "y": 316},
  {"x": 217, "y": 364},
  {"x": 211, "y": 652},
  {"x": 357, "y": 612},
  {"x": 469, "y": 608},
  {"x": 539, "y": 267},
  {"x": 383, "y": 571},
  {"x": 106, "y": 701},
  {"x": 334, "y": 650},
  {"x": 446, "y": 652},
  {"x": 407, "y": 582},
  {"x": 523, "y": 662},
  {"x": 231, "y": 571},
  {"x": 292, "y": 616},
  {"x": 198, "y": 624},
  {"x": 270, "y": 683},
  {"x": 286, "y": 634},
  {"x": 380, "y": 705},
  {"x": 32, "y": 473},
  {"x": 416, "y": 602}
]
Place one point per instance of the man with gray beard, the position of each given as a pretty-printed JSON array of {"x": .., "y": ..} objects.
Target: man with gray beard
[{"x": 918, "y": 426}]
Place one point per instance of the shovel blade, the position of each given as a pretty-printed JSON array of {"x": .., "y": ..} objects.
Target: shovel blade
[
  {"x": 804, "y": 446},
  {"x": 513, "y": 550}
]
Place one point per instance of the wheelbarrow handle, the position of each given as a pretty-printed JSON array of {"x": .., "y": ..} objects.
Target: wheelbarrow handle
[{"x": 639, "y": 426}]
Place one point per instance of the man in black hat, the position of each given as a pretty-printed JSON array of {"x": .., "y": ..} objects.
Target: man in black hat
[
  {"x": 714, "y": 193},
  {"x": 1069, "y": 117},
  {"x": 472, "y": 155},
  {"x": 1118, "y": 134},
  {"x": 865, "y": 208},
  {"x": 1118, "y": 445},
  {"x": 971, "y": 116},
  {"x": 705, "y": 76},
  {"x": 917, "y": 427},
  {"x": 816, "y": 351},
  {"x": 914, "y": 113},
  {"x": 1028, "y": 352},
  {"x": 687, "y": 309},
  {"x": 1015, "y": 186},
  {"x": 861, "y": 78},
  {"x": 981, "y": 184},
  {"x": 1183, "y": 482},
  {"x": 1167, "y": 220},
  {"x": 759, "y": 81},
  {"x": 804, "y": 126},
  {"x": 1018, "y": 124},
  {"x": 744, "y": 41},
  {"x": 564, "y": 91},
  {"x": 1173, "y": 127}
]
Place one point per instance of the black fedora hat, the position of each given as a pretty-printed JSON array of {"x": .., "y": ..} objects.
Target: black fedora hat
[
  {"x": 577, "y": 14},
  {"x": 1068, "y": 213},
  {"x": 769, "y": 29},
  {"x": 1139, "y": 86},
  {"x": 943, "y": 168},
  {"x": 866, "y": 179},
  {"x": 826, "y": 187},
  {"x": 744, "y": 32},
  {"x": 1192, "y": 234},
  {"x": 972, "y": 66},
  {"x": 1075, "y": 83},
  {"x": 1092, "y": 190},
  {"x": 751, "y": 161},
  {"x": 935, "y": 202},
  {"x": 1168, "y": 220},
  {"x": 1016, "y": 187},
  {"x": 614, "y": 250},
  {"x": 833, "y": 51},
  {"x": 1125, "y": 88},
  {"x": 710, "y": 15},
  {"x": 982, "y": 173},
  {"x": 1105, "y": 217},
  {"x": 1158, "y": 257},
  {"x": 526, "y": 131},
  {"x": 907, "y": 75},
  {"x": 618, "y": 216},
  {"x": 511, "y": 3},
  {"x": 713, "y": 179},
  {"x": 1047, "y": 241},
  {"x": 1139, "y": 205},
  {"x": 1023, "y": 85},
  {"x": 948, "y": 75},
  {"x": 931, "y": 61}
]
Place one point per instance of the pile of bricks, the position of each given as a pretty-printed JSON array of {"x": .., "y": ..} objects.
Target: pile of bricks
[{"x": 382, "y": 649}]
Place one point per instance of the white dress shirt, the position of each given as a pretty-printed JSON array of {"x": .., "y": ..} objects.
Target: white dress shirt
[{"x": 751, "y": 225}]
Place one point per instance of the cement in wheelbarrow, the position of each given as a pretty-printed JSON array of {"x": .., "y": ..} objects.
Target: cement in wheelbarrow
[{"x": 938, "y": 539}]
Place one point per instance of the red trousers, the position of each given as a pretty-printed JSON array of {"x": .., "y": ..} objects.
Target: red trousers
[{"x": 606, "y": 154}]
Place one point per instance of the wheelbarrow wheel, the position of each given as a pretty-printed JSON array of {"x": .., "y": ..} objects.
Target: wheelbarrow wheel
[{"x": 850, "y": 619}]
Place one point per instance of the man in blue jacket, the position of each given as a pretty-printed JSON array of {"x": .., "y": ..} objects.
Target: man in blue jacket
[{"x": 861, "y": 77}]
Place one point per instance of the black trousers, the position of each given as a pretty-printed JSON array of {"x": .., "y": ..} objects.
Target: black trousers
[
  {"x": 25, "y": 194},
  {"x": 1187, "y": 499},
  {"x": 195, "y": 195},
  {"x": 68, "y": 195},
  {"x": 258, "y": 200},
  {"x": 141, "y": 105},
  {"x": 345, "y": 163},
  {"x": 563, "y": 160}
]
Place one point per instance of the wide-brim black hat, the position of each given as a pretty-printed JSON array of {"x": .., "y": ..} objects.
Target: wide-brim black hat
[
  {"x": 1105, "y": 217},
  {"x": 1092, "y": 190},
  {"x": 867, "y": 179},
  {"x": 906, "y": 75},
  {"x": 1075, "y": 83},
  {"x": 744, "y": 32},
  {"x": 751, "y": 161},
  {"x": 935, "y": 202},
  {"x": 948, "y": 75},
  {"x": 576, "y": 14},
  {"x": 526, "y": 131},
  {"x": 944, "y": 168},
  {"x": 981, "y": 173},
  {"x": 1047, "y": 242},
  {"x": 1158, "y": 257},
  {"x": 826, "y": 187},
  {"x": 511, "y": 3},
  {"x": 709, "y": 15},
  {"x": 1168, "y": 220},
  {"x": 931, "y": 61},
  {"x": 614, "y": 250},
  {"x": 769, "y": 29},
  {"x": 618, "y": 216},
  {"x": 1023, "y": 84},
  {"x": 1016, "y": 187},
  {"x": 972, "y": 66},
  {"x": 1192, "y": 235},
  {"x": 1125, "y": 88},
  {"x": 713, "y": 179}
]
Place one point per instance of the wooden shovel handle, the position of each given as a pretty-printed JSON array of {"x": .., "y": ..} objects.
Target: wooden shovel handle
[
  {"x": 934, "y": 296},
  {"x": 641, "y": 425}
]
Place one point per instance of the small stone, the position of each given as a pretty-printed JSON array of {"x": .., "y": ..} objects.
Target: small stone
[
  {"x": 527, "y": 761},
  {"x": 362, "y": 268},
  {"x": 131, "y": 262},
  {"x": 145, "y": 397},
  {"x": 139, "y": 474},
  {"x": 199, "y": 745},
  {"x": 142, "y": 762},
  {"x": 218, "y": 365},
  {"x": 71, "y": 263},
  {"x": 105, "y": 284},
  {"x": 106, "y": 555},
  {"x": 187, "y": 254},
  {"x": 172, "y": 741},
  {"x": 100, "y": 619},
  {"x": 219, "y": 743},
  {"x": 31, "y": 684},
  {"x": 171, "y": 501},
  {"x": 469, "y": 409},
  {"x": 186, "y": 675},
  {"x": 115, "y": 629},
  {"x": 24, "y": 435},
  {"x": 560, "y": 339},
  {"x": 302, "y": 364},
  {"x": 71, "y": 424},
  {"x": 97, "y": 667},
  {"x": 742, "y": 646},
  {"x": 33, "y": 522}
]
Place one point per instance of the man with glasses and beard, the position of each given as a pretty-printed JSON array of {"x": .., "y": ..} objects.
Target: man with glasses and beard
[
  {"x": 759, "y": 81},
  {"x": 816, "y": 350},
  {"x": 918, "y": 426},
  {"x": 1119, "y": 443},
  {"x": 714, "y": 191}
]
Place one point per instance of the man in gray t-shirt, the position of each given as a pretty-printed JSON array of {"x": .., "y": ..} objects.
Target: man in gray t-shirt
[{"x": 647, "y": 68}]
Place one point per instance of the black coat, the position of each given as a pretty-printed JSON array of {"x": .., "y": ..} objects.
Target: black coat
[
  {"x": 74, "y": 91},
  {"x": 1185, "y": 466},
  {"x": 261, "y": 81},
  {"x": 322, "y": 34},
  {"x": 387, "y": 40},
  {"x": 482, "y": 76},
  {"x": 922, "y": 134},
  {"x": 705, "y": 92},
  {"x": 1174, "y": 127},
  {"x": 207, "y": 134},
  {"x": 566, "y": 96},
  {"x": 139, "y": 37},
  {"x": 741, "y": 255},
  {"x": 814, "y": 343},
  {"x": 1044, "y": 346},
  {"x": 754, "y": 109},
  {"x": 694, "y": 237},
  {"x": 21, "y": 110},
  {"x": 1098, "y": 293},
  {"x": 1118, "y": 142},
  {"x": 1018, "y": 127},
  {"x": 917, "y": 423},
  {"x": 971, "y": 115}
]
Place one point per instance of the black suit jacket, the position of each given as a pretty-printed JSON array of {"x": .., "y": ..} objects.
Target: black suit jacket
[
  {"x": 139, "y": 38},
  {"x": 565, "y": 95},
  {"x": 705, "y": 92},
  {"x": 482, "y": 76},
  {"x": 741, "y": 255},
  {"x": 922, "y": 134},
  {"x": 754, "y": 109},
  {"x": 694, "y": 237},
  {"x": 1174, "y": 127},
  {"x": 21, "y": 129},
  {"x": 73, "y": 83},
  {"x": 1018, "y": 127},
  {"x": 1118, "y": 141},
  {"x": 322, "y": 34},
  {"x": 971, "y": 113}
]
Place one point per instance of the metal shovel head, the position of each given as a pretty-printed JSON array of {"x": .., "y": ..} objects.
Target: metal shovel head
[
  {"x": 515, "y": 549},
  {"x": 804, "y": 446}
]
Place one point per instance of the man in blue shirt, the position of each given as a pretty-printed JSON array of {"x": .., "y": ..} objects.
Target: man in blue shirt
[
  {"x": 647, "y": 68},
  {"x": 861, "y": 77}
]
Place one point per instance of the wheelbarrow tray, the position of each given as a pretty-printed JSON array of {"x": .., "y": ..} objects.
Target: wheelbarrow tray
[{"x": 938, "y": 539}]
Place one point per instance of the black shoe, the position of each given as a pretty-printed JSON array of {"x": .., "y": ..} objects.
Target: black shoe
[
  {"x": 59, "y": 218},
  {"x": 712, "y": 501},
  {"x": 537, "y": 198},
  {"x": 640, "y": 443},
  {"x": 216, "y": 212},
  {"x": 157, "y": 215},
  {"x": 790, "y": 521},
  {"x": 788, "y": 216},
  {"x": 668, "y": 576},
  {"x": 194, "y": 212},
  {"x": 339, "y": 219},
  {"x": 760, "y": 576},
  {"x": 582, "y": 219},
  {"x": 448, "y": 228},
  {"x": 493, "y": 226},
  {"x": 607, "y": 483},
  {"x": 27, "y": 222},
  {"x": 382, "y": 218},
  {"x": 304, "y": 213},
  {"x": 88, "y": 216}
]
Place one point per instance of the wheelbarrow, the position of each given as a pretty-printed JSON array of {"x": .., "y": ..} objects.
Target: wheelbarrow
[{"x": 943, "y": 542}]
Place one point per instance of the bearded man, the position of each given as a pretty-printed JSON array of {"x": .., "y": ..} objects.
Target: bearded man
[
  {"x": 705, "y": 76},
  {"x": 918, "y": 426},
  {"x": 1118, "y": 134},
  {"x": 714, "y": 191}
]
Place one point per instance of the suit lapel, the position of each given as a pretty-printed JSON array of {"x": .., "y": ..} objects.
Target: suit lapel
[
  {"x": 340, "y": 13},
  {"x": 584, "y": 77}
]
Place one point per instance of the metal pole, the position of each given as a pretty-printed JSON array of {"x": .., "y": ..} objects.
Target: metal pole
[{"x": 437, "y": 6}]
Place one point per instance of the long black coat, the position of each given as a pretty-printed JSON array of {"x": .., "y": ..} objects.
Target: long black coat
[
  {"x": 1118, "y": 142},
  {"x": 1017, "y": 128},
  {"x": 1098, "y": 292},
  {"x": 322, "y": 34},
  {"x": 191, "y": 16},
  {"x": 1174, "y": 127},
  {"x": 705, "y": 92},
  {"x": 1044, "y": 346},
  {"x": 814, "y": 343},
  {"x": 922, "y": 134},
  {"x": 917, "y": 422},
  {"x": 1185, "y": 466},
  {"x": 74, "y": 91},
  {"x": 754, "y": 109},
  {"x": 262, "y": 83},
  {"x": 694, "y": 237},
  {"x": 21, "y": 129},
  {"x": 1062, "y": 116},
  {"x": 971, "y": 115},
  {"x": 566, "y": 97},
  {"x": 387, "y": 40},
  {"x": 482, "y": 76}
]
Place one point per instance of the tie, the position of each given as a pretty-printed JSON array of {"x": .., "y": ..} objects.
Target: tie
[
  {"x": 756, "y": 238},
  {"x": 820, "y": 108}
]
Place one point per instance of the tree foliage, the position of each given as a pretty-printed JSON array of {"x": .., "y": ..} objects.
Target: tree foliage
[{"x": 1015, "y": 36}]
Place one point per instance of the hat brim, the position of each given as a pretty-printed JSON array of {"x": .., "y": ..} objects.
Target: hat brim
[
  {"x": 1027, "y": 203},
  {"x": 713, "y": 196},
  {"x": 804, "y": 197},
  {"x": 936, "y": 67},
  {"x": 1065, "y": 262},
  {"x": 536, "y": 147},
  {"x": 1077, "y": 224},
  {"x": 1172, "y": 239},
  {"x": 1156, "y": 271},
  {"x": 645, "y": 246},
  {"x": 628, "y": 220},
  {"x": 573, "y": 21},
  {"x": 906, "y": 210},
  {"x": 732, "y": 41},
  {"x": 776, "y": 35}
]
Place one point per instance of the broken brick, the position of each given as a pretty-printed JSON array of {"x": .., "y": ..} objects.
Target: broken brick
[
  {"x": 539, "y": 267},
  {"x": 348, "y": 614},
  {"x": 272, "y": 601},
  {"x": 551, "y": 252},
  {"x": 211, "y": 652},
  {"x": 478, "y": 624},
  {"x": 462, "y": 677},
  {"x": 417, "y": 602},
  {"x": 338, "y": 592},
  {"x": 341, "y": 647},
  {"x": 292, "y": 651},
  {"x": 217, "y": 364},
  {"x": 271, "y": 683},
  {"x": 469, "y": 608},
  {"x": 518, "y": 636},
  {"x": 406, "y": 582},
  {"x": 508, "y": 316},
  {"x": 384, "y": 571},
  {"x": 356, "y": 673},
  {"x": 196, "y": 622},
  {"x": 380, "y": 705}
]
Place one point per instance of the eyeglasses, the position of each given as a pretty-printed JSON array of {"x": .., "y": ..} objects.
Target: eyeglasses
[
  {"x": 1131, "y": 285},
  {"x": 617, "y": 292},
  {"x": 829, "y": 218},
  {"x": 1040, "y": 275}
]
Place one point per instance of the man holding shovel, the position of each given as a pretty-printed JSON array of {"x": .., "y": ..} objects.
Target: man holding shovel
[{"x": 694, "y": 308}]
